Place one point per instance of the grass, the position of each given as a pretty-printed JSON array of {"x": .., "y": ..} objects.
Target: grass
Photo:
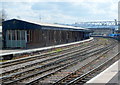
[
  {"x": 3, "y": 60},
  {"x": 57, "y": 50},
  {"x": 103, "y": 41}
]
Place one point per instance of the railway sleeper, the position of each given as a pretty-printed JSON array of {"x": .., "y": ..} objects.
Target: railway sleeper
[{"x": 40, "y": 62}]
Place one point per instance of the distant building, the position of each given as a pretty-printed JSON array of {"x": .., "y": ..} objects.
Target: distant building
[
  {"x": 99, "y": 28},
  {"x": 117, "y": 31},
  {"x": 102, "y": 31}
]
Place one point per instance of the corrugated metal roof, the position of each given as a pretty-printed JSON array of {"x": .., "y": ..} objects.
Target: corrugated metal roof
[{"x": 53, "y": 25}]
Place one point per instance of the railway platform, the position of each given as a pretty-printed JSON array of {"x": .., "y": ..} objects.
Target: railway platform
[
  {"x": 27, "y": 51},
  {"x": 109, "y": 76}
]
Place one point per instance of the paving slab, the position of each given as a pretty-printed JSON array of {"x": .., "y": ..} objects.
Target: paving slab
[{"x": 110, "y": 75}]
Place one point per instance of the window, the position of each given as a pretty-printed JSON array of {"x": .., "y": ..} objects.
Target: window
[
  {"x": 13, "y": 34},
  {"x": 28, "y": 36},
  {"x": 18, "y": 35},
  {"x": 22, "y": 35},
  {"x": 9, "y": 34}
]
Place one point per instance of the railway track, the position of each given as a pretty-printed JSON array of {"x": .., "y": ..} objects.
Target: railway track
[
  {"x": 45, "y": 60},
  {"x": 40, "y": 70},
  {"x": 92, "y": 73},
  {"x": 64, "y": 79},
  {"x": 43, "y": 55},
  {"x": 40, "y": 78},
  {"x": 58, "y": 61}
]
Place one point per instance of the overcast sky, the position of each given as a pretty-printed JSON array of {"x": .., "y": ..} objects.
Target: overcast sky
[{"x": 61, "y": 11}]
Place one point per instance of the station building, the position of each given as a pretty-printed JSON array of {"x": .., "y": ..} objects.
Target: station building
[{"x": 26, "y": 34}]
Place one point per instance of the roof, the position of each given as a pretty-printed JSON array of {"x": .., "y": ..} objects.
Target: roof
[
  {"x": 117, "y": 30},
  {"x": 50, "y": 25}
]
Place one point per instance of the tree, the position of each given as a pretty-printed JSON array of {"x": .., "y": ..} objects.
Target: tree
[{"x": 4, "y": 15}]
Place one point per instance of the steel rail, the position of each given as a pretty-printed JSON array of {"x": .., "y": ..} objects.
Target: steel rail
[{"x": 91, "y": 71}]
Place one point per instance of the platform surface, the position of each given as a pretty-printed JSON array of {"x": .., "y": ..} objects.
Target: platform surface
[
  {"x": 110, "y": 75},
  {"x": 115, "y": 79}
]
